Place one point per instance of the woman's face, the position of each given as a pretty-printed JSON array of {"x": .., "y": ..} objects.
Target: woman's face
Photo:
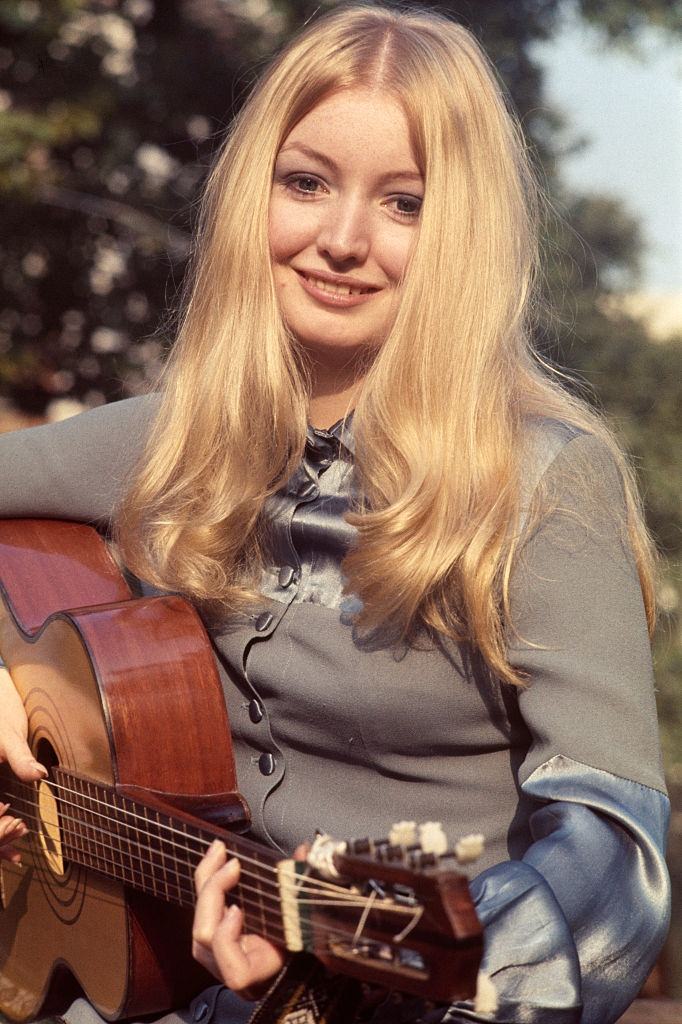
[{"x": 345, "y": 201}]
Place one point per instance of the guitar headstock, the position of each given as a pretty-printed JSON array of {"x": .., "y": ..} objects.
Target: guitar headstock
[{"x": 394, "y": 911}]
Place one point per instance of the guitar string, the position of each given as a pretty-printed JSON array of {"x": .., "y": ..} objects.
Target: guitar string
[
  {"x": 300, "y": 883},
  {"x": 288, "y": 914},
  {"x": 322, "y": 884},
  {"x": 341, "y": 896},
  {"x": 331, "y": 933},
  {"x": 345, "y": 896},
  {"x": 161, "y": 825}
]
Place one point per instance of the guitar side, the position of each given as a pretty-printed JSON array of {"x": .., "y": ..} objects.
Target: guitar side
[{"x": 124, "y": 691}]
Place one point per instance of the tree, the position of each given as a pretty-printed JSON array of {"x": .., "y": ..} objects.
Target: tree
[{"x": 109, "y": 115}]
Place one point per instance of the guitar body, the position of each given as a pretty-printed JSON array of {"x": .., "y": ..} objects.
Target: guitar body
[{"x": 124, "y": 691}]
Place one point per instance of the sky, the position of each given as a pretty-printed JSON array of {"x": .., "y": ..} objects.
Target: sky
[{"x": 631, "y": 110}]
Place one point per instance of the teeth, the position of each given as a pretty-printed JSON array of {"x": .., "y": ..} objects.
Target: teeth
[{"x": 339, "y": 289}]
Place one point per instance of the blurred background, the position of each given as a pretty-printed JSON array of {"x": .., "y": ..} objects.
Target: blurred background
[{"x": 110, "y": 113}]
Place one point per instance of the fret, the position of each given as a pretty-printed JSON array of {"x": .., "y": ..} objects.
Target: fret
[
  {"x": 192, "y": 860},
  {"x": 162, "y": 853},
  {"x": 261, "y": 908},
  {"x": 94, "y": 811},
  {"x": 90, "y": 832},
  {"x": 79, "y": 836},
  {"x": 117, "y": 840},
  {"x": 176, "y": 869},
  {"x": 149, "y": 852},
  {"x": 154, "y": 851},
  {"x": 127, "y": 873}
]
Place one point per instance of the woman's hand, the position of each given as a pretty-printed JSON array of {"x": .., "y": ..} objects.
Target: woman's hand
[
  {"x": 15, "y": 750},
  {"x": 245, "y": 963}
]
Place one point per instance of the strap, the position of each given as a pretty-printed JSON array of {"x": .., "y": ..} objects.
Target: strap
[{"x": 305, "y": 992}]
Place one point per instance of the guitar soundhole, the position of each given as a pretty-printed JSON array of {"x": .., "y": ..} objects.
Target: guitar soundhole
[{"x": 49, "y": 825}]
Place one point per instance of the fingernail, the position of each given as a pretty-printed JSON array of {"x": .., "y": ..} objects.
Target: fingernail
[
  {"x": 217, "y": 844},
  {"x": 232, "y": 911},
  {"x": 39, "y": 766},
  {"x": 232, "y": 863}
]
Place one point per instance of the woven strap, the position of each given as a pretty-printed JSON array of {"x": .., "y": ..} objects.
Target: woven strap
[{"x": 306, "y": 993}]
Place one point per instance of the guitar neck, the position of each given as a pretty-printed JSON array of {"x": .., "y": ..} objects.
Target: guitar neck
[{"x": 155, "y": 848}]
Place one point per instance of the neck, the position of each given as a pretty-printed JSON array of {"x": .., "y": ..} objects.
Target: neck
[
  {"x": 335, "y": 391},
  {"x": 150, "y": 846}
]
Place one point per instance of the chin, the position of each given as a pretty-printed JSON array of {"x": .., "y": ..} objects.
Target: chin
[{"x": 335, "y": 348}]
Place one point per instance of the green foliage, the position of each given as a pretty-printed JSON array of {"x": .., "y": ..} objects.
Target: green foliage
[{"x": 109, "y": 115}]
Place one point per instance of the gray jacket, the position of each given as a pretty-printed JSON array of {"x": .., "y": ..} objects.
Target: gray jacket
[{"x": 334, "y": 732}]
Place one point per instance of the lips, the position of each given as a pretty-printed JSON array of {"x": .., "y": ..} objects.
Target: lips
[
  {"x": 355, "y": 285},
  {"x": 338, "y": 300}
]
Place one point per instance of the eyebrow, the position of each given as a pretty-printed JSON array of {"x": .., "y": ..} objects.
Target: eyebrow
[{"x": 328, "y": 162}]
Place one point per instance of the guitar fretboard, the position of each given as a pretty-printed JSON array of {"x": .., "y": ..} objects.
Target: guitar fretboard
[{"x": 152, "y": 850}]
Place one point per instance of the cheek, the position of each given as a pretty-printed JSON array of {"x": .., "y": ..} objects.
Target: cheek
[
  {"x": 392, "y": 253},
  {"x": 289, "y": 230}
]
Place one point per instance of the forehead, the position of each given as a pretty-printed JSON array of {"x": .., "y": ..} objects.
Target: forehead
[{"x": 369, "y": 124}]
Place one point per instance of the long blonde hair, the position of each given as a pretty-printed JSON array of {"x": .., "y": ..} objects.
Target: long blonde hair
[{"x": 439, "y": 425}]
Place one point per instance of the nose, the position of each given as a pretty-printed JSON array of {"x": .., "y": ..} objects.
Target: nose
[{"x": 344, "y": 233}]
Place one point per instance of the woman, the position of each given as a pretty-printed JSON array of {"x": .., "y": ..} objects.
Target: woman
[{"x": 422, "y": 563}]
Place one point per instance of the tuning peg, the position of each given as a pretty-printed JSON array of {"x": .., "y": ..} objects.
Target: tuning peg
[
  {"x": 403, "y": 833},
  {"x": 426, "y": 860},
  {"x": 432, "y": 838},
  {"x": 321, "y": 855},
  {"x": 469, "y": 848}
]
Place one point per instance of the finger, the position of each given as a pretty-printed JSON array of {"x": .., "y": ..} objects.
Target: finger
[
  {"x": 11, "y": 830},
  {"x": 10, "y": 853},
  {"x": 243, "y": 960},
  {"x": 18, "y": 755},
  {"x": 213, "y": 859},
  {"x": 204, "y": 956},
  {"x": 302, "y": 850},
  {"x": 10, "y": 825},
  {"x": 210, "y": 906}
]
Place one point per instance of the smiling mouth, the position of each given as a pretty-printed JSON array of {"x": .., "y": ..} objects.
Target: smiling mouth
[{"x": 336, "y": 289}]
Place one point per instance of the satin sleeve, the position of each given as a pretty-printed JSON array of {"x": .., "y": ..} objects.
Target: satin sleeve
[
  {"x": 573, "y": 927},
  {"x": 76, "y": 468}
]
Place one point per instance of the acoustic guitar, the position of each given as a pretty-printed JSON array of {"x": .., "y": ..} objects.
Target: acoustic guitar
[{"x": 126, "y": 711}]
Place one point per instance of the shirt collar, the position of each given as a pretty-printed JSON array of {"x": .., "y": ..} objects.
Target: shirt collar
[{"x": 326, "y": 443}]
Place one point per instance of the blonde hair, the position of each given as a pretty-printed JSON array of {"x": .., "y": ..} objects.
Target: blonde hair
[{"x": 439, "y": 426}]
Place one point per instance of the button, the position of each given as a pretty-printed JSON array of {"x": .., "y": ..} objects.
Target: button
[
  {"x": 266, "y": 763},
  {"x": 286, "y": 575},
  {"x": 255, "y": 711},
  {"x": 263, "y": 621},
  {"x": 200, "y": 1010},
  {"x": 308, "y": 490}
]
